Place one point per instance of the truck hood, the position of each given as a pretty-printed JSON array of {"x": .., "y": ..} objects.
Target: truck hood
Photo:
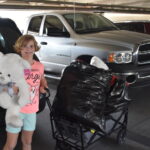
[{"x": 118, "y": 37}]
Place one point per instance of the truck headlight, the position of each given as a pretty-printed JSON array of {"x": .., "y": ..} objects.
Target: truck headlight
[{"x": 120, "y": 58}]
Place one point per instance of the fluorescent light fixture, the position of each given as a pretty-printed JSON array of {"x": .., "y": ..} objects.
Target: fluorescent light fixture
[{"x": 3, "y": 1}]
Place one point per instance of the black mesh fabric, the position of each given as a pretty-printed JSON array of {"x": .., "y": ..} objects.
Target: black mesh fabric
[{"x": 82, "y": 92}]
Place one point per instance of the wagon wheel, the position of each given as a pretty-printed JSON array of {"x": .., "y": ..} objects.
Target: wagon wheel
[
  {"x": 62, "y": 146},
  {"x": 121, "y": 136}
]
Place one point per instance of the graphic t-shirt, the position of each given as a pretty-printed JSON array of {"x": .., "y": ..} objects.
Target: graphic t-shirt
[{"x": 33, "y": 78}]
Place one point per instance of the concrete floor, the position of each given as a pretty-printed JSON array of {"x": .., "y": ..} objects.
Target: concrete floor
[{"x": 138, "y": 134}]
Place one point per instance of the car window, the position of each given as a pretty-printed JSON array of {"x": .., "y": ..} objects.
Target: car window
[
  {"x": 2, "y": 42},
  {"x": 34, "y": 26},
  {"x": 53, "y": 25},
  {"x": 8, "y": 37},
  {"x": 147, "y": 28},
  {"x": 131, "y": 26}
]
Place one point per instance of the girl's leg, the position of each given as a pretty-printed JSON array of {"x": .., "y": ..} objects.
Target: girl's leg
[
  {"x": 26, "y": 138},
  {"x": 29, "y": 124},
  {"x": 11, "y": 141}
]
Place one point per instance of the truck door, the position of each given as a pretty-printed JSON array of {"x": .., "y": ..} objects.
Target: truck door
[{"x": 55, "y": 44}]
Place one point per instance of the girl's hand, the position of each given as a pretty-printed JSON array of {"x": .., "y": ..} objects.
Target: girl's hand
[
  {"x": 4, "y": 89},
  {"x": 15, "y": 89},
  {"x": 43, "y": 85},
  {"x": 42, "y": 90}
]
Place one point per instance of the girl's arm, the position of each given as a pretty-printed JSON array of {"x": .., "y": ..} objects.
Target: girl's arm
[
  {"x": 11, "y": 90},
  {"x": 43, "y": 85},
  {"x": 15, "y": 89}
]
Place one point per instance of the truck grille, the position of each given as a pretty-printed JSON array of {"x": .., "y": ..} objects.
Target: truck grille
[{"x": 144, "y": 54}]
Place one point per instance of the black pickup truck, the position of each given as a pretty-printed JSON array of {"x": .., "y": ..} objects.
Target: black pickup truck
[{"x": 9, "y": 33}]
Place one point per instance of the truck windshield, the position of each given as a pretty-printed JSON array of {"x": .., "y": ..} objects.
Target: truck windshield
[{"x": 88, "y": 23}]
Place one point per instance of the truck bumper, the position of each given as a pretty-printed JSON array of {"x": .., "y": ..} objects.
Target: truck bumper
[{"x": 137, "y": 75}]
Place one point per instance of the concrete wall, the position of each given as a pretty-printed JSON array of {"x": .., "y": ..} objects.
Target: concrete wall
[
  {"x": 19, "y": 16},
  {"x": 119, "y": 17}
]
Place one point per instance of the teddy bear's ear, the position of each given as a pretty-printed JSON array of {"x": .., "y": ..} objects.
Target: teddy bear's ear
[{"x": 25, "y": 64}]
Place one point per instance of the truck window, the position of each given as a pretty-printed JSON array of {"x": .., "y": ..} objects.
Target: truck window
[
  {"x": 53, "y": 26},
  {"x": 34, "y": 26},
  {"x": 88, "y": 23}
]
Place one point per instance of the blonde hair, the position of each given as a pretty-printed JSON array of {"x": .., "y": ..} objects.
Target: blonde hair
[{"x": 23, "y": 40}]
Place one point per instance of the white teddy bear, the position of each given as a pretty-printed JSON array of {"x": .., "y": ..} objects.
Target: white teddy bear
[{"x": 12, "y": 71}]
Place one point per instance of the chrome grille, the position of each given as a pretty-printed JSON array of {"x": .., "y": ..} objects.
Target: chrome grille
[{"x": 144, "y": 54}]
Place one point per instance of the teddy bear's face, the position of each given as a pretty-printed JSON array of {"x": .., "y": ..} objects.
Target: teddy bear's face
[
  {"x": 4, "y": 77},
  {"x": 13, "y": 65}
]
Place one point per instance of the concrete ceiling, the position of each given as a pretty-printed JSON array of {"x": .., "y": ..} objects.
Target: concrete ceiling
[
  {"x": 132, "y": 3},
  {"x": 131, "y": 6}
]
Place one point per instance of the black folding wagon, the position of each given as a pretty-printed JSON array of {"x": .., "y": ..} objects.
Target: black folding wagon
[{"x": 90, "y": 103}]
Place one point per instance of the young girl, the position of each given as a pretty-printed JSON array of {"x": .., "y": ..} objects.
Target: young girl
[{"x": 26, "y": 46}]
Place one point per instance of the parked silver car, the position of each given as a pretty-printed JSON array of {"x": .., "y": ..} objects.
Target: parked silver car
[{"x": 65, "y": 36}]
